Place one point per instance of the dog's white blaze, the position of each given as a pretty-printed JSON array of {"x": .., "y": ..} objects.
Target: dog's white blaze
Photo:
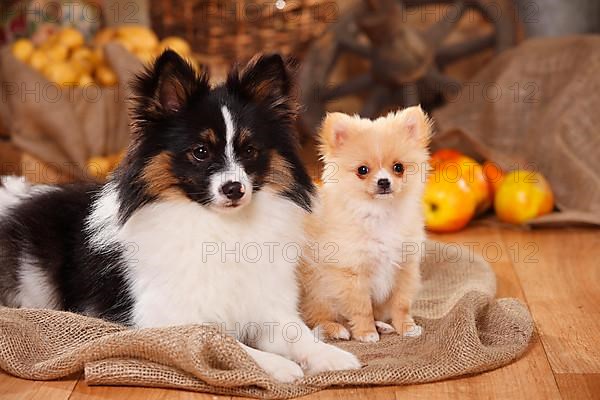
[
  {"x": 229, "y": 134},
  {"x": 233, "y": 170}
]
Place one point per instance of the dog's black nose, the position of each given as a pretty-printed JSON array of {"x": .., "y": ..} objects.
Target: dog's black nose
[
  {"x": 233, "y": 190},
  {"x": 383, "y": 183}
]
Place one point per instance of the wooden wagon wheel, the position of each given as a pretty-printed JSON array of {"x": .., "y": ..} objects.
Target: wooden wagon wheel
[{"x": 403, "y": 61}]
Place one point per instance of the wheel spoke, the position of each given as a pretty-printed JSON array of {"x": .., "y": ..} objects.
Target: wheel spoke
[
  {"x": 351, "y": 86},
  {"x": 449, "y": 53},
  {"x": 375, "y": 101},
  {"x": 381, "y": 5},
  {"x": 441, "y": 83},
  {"x": 354, "y": 47},
  {"x": 505, "y": 30},
  {"x": 436, "y": 34}
]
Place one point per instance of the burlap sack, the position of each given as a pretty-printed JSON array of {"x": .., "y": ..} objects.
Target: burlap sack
[
  {"x": 65, "y": 126},
  {"x": 466, "y": 331},
  {"x": 536, "y": 107}
]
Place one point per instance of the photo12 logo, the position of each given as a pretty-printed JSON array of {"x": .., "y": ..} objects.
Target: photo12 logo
[{"x": 267, "y": 252}]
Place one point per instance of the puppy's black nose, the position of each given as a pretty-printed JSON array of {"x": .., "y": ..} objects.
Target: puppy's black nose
[
  {"x": 233, "y": 190},
  {"x": 383, "y": 183}
]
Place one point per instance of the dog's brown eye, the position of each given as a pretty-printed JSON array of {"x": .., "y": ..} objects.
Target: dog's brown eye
[
  {"x": 200, "y": 152},
  {"x": 398, "y": 168},
  {"x": 251, "y": 152},
  {"x": 363, "y": 170}
]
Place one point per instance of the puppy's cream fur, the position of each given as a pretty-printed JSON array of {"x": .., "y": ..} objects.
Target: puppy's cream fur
[{"x": 362, "y": 268}]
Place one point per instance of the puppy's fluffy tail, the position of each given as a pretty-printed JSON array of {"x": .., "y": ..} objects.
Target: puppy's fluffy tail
[{"x": 12, "y": 190}]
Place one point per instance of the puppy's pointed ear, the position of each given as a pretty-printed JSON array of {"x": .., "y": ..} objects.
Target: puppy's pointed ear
[
  {"x": 334, "y": 132},
  {"x": 266, "y": 79},
  {"x": 415, "y": 123},
  {"x": 164, "y": 88}
]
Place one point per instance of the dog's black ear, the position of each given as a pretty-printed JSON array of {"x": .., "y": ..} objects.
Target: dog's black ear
[
  {"x": 266, "y": 79},
  {"x": 165, "y": 87}
]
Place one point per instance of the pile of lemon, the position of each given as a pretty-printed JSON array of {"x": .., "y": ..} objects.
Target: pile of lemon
[
  {"x": 100, "y": 167},
  {"x": 66, "y": 59}
]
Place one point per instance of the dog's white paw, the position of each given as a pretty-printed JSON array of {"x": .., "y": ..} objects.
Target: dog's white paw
[
  {"x": 413, "y": 330},
  {"x": 370, "y": 337},
  {"x": 343, "y": 334},
  {"x": 384, "y": 328},
  {"x": 332, "y": 330},
  {"x": 330, "y": 358},
  {"x": 408, "y": 327},
  {"x": 280, "y": 368}
]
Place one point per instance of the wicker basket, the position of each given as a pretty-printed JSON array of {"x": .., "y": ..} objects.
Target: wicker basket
[{"x": 224, "y": 31}]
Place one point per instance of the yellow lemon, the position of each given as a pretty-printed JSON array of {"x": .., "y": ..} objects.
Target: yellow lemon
[
  {"x": 82, "y": 53},
  {"x": 71, "y": 38},
  {"x": 98, "y": 167},
  {"x": 145, "y": 56},
  {"x": 22, "y": 49},
  {"x": 51, "y": 40},
  {"x": 523, "y": 195},
  {"x": 176, "y": 44},
  {"x": 38, "y": 60},
  {"x": 85, "y": 80},
  {"x": 448, "y": 205},
  {"x": 56, "y": 52},
  {"x": 139, "y": 37},
  {"x": 98, "y": 54},
  {"x": 105, "y": 76},
  {"x": 62, "y": 73},
  {"x": 83, "y": 58},
  {"x": 104, "y": 36}
]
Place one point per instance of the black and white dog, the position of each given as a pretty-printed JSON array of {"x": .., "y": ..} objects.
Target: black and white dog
[{"x": 197, "y": 225}]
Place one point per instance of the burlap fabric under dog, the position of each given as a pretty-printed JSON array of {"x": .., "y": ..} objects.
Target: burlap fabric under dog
[{"x": 466, "y": 331}]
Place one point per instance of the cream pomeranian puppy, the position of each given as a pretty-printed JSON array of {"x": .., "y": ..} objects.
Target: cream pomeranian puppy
[{"x": 362, "y": 270}]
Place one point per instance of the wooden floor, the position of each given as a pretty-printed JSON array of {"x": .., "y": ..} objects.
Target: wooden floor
[{"x": 555, "y": 272}]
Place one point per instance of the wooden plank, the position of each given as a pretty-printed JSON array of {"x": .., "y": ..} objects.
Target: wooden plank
[
  {"x": 487, "y": 242},
  {"x": 374, "y": 393},
  {"x": 528, "y": 377},
  {"x": 22, "y": 389},
  {"x": 84, "y": 392},
  {"x": 560, "y": 274},
  {"x": 579, "y": 386}
]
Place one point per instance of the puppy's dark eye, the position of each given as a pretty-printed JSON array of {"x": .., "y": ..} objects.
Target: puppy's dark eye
[
  {"x": 200, "y": 152},
  {"x": 399, "y": 168},
  {"x": 251, "y": 152},
  {"x": 363, "y": 170}
]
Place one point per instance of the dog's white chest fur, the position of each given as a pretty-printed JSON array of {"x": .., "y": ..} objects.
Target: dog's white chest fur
[
  {"x": 188, "y": 264},
  {"x": 382, "y": 251}
]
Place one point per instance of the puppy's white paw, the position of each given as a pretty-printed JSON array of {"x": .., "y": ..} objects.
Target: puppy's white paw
[
  {"x": 413, "y": 331},
  {"x": 384, "y": 328},
  {"x": 370, "y": 337},
  {"x": 343, "y": 334},
  {"x": 332, "y": 330},
  {"x": 280, "y": 368},
  {"x": 330, "y": 358}
]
